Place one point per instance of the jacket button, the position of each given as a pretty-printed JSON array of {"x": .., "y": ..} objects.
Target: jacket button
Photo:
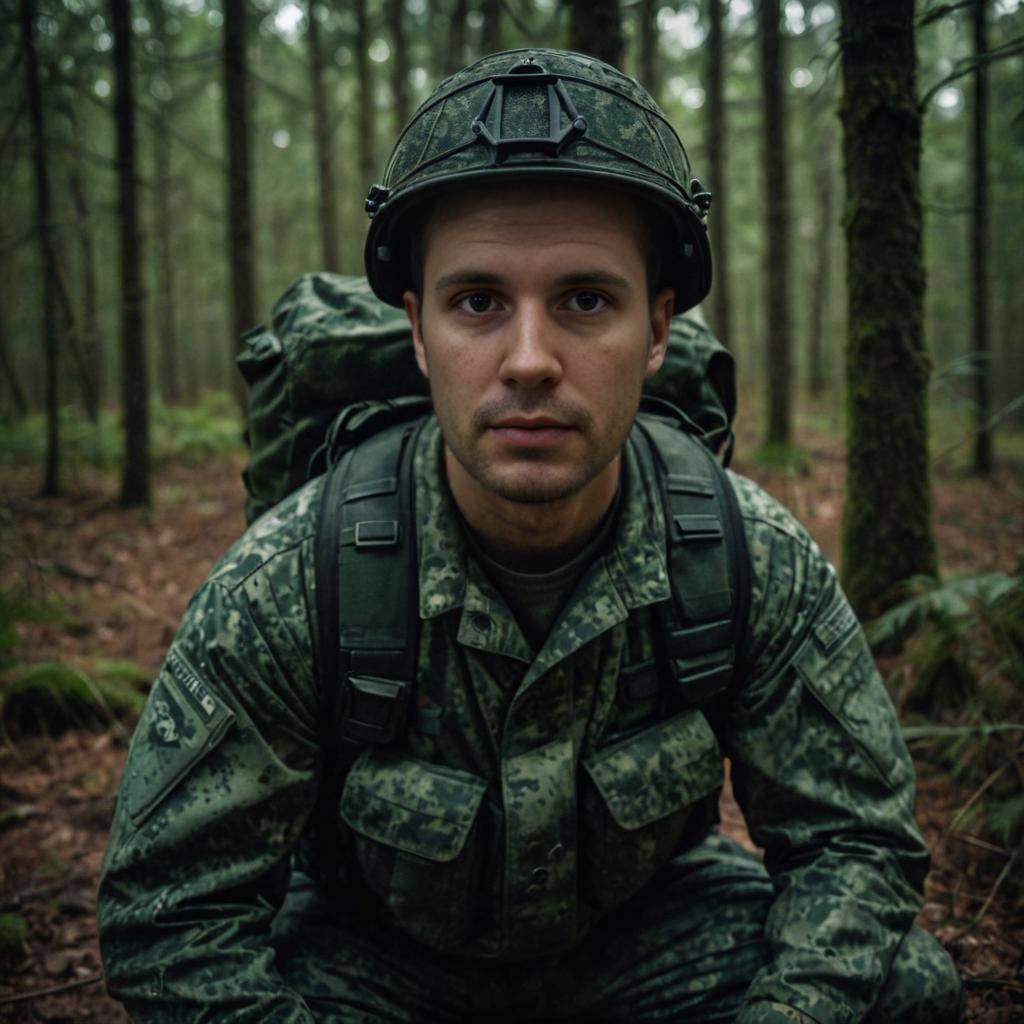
[
  {"x": 481, "y": 622},
  {"x": 538, "y": 876},
  {"x": 556, "y": 853}
]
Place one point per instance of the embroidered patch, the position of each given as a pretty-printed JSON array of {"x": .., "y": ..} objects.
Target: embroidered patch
[{"x": 836, "y": 627}]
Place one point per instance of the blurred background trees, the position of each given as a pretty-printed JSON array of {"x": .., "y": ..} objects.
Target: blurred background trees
[{"x": 260, "y": 125}]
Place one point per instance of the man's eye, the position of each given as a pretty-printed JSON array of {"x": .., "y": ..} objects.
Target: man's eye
[
  {"x": 587, "y": 302},
  {"x": 478, "y": 302}
]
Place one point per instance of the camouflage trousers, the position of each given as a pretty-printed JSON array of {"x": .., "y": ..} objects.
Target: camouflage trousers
[{"x": 684, "y": 949}]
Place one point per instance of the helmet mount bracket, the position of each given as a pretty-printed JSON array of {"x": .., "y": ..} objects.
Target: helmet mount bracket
[{"x": 487, "y": 125}]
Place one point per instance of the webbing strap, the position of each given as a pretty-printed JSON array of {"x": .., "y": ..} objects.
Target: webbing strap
[
  {"x": 705, "y": 620},
  {"x": 367, "y": 627}
]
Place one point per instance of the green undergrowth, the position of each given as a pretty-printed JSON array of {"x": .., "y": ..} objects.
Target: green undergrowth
[
  {"x": 53, "y": 696},
  {"x": 782, "y": 458},
  {"x": 212, "y": 426},
  {"x": 962, "y": 700}
]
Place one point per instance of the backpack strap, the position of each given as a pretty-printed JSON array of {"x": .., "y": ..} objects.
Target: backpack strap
[
  {"x": 704, "y": 623},
  {"x": 368, "y": 629}
]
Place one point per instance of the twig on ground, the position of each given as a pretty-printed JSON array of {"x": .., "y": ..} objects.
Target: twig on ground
[
  {"x": 1003, "y": 875},
  {"x": 21, "y": 997}
]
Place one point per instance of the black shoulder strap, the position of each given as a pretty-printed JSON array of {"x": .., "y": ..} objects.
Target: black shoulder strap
[
  {"x": 367, "y": 630},
  {"x": 705, "y": 622}
]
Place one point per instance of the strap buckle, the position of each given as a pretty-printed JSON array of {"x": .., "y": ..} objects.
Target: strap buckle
[{"x": 373, "y": 709}]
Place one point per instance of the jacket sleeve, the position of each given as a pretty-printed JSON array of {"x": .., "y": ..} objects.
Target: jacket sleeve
[
  {"x": 825, "y": 782},
  {"x": 219, "y": 782}
]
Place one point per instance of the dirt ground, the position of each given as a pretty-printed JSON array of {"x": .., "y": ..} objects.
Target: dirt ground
[{"x": 122, "y": 580}]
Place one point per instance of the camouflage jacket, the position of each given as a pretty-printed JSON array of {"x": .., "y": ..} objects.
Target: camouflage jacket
[{"x": 588, "y": 792}]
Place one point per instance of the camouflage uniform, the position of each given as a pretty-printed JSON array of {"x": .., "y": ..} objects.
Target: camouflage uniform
[{"x": 521, "y": 860}]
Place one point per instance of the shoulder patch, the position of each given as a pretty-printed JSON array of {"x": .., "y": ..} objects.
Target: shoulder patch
[
  {"x": 837, "y": 625},
  {"x": 181, "y": 723}
]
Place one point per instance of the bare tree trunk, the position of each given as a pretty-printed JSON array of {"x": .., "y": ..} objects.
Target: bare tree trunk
[
  {"x": 720, "y": 296},
  {"x": 595, "y": 28},
  {"x": 134, "y": 377},
  {"x": 979, "y": 248},
  {"x": 776, "y": 206},
  {"x": 887, "y": 528},
  {"x": 166, "y": 269},
  {"x": 88, "y": 325},
  {"x": 821, "y": 275},
  {"x": 456, "y": 52},
  {"x": 368, "y": 170},
  {"x": 399, "y": 63},
  {"x": 241, "y": 248},
  {"x": 647, "y": 32},
  {"x": 490, "y": 41},
  {"x": 322, "y": 122},
  {"x": 9, "y": 373},
  {"x": 47, "y": 255}
]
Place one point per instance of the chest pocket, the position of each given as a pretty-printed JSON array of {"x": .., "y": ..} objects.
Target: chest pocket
[
  {"x": 416, "y": 843},
  {"x": 638, "y": 802}
]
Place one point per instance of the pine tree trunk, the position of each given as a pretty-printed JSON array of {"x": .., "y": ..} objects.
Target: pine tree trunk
[
  {"x": 887, "y": 528},
  {"x": 9, "y": 373},
  {"x": 368, "y": 170},
  {"x": 399, "y": 63},
  {"x": 166, "y": 269},
  {"x": 776, "y": 207},
  {"x": 595, "y": 28},
  {"x": 456, "y": 50},
  {"x": 44, "y": 233},
  {"x": 89, "y": 332},
  {"x": 821, "y": 275},
  {"x": 979, "y": 249},
  {"x": 647, "y": 31},
  {"x": 322, "y": 122},
  {"x": 134, "y": 378},
  {"x": 241, "y": 247},
  {"x": 721, "y": 319},
  {"x": 490, "y": 41}
]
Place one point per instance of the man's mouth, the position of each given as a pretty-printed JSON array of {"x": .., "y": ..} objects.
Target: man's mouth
[{"x": 530, "y": 431}]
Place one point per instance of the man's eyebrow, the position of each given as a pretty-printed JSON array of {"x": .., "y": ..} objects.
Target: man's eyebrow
[{"x": 575, "y": 279}]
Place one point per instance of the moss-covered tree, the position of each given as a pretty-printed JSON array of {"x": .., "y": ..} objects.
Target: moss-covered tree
[
  {"x": 323, "y": 121},
  {"x": 887, "y": 527},
  {"x": 716, "y": 136}
]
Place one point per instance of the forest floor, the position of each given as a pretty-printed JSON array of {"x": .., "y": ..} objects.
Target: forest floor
[{"x": 121, "y": 580}]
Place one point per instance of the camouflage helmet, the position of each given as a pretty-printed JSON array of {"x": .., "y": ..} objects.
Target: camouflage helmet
[{"x": 540, "y": 114}]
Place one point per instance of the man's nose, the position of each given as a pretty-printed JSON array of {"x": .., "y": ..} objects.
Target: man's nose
[{"x": 531, "y": 358}]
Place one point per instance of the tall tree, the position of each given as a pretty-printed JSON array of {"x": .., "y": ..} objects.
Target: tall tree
[
  {"x": 399, "y": 63},
  {"x": 595, "y": 28},
  {"x": 44, "y": 235},
  {"x": 490, "y": 40},
  {"x": 163, "y": 193},
  {"x": 887, "y": 527},
  {"x": 455, "y": 52},
  {"x": 979, "y": 245},
  {"x": 89, "y": 331},
  {"x": 368, "y": 170},
  {"x": 821, "y": 273},
  {"x": 134, "y": 376},
  {"x": 647, "y": 34},
  {"x": 322, "y": 122},
  {"x": 775, "y": 200},
  {"x": 241, "y": 247},
  {"x": 717, "y": 162},
  {"x": 8, "y": 371}
]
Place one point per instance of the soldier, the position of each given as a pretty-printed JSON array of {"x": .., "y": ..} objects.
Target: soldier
[{"x": 536, "y": 840}]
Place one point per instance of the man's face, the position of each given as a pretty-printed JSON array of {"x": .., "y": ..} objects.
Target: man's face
[{"x": 536, "y": 331}]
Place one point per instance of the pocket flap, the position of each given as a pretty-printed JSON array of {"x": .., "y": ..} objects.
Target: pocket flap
[
  {"x": 420, "y": 808},
  {"x": 658, "y": 771}
]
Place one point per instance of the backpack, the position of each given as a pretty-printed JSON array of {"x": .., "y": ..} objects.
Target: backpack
[
  {"x": 334, "y": 388},
  {"x": 332, "y": 344}
]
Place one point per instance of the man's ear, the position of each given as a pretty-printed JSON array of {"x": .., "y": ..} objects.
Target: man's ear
[
  {"x": 661, "y": 320},
  {"x": 412, "y": 305}
]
